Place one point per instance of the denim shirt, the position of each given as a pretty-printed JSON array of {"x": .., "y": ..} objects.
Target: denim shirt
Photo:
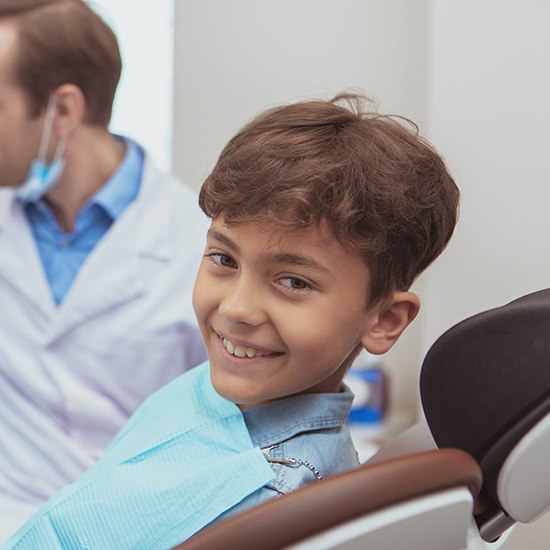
[{"x": 305, "y": 438}]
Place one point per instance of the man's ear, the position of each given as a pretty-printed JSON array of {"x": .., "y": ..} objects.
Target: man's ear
[
  {"x": 388, "y": 320},
  {"x": 70, "y": 109}
]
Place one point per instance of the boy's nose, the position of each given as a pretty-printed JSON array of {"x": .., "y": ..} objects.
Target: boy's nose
[{"x": 243, "y": 303}]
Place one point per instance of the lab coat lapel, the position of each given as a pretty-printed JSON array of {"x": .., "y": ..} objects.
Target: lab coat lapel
[
  {"x": 119, "y": 269},
  {"x": 20, "y": 264}
]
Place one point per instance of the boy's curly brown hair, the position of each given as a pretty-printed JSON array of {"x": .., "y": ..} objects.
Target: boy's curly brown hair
[{"x": 384, "y": 191}]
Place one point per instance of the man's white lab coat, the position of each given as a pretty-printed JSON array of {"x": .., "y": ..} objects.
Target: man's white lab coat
[{"x": 70, "y": 375}]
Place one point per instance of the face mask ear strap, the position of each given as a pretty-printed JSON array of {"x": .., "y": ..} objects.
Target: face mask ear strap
[
  {"x": 47, "y": 130},
  {"x": 60, "y": 149}
]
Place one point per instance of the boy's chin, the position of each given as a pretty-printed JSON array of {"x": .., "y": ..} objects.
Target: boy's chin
[{"x": 241, "y": 399}]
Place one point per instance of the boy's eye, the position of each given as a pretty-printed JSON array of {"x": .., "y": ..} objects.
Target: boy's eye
[
  {"x": 294, "y": 283},
  {"x": 222, "y": 260}
]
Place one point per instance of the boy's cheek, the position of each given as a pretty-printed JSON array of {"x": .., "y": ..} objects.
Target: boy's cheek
[{"x": 199, "y": 294}]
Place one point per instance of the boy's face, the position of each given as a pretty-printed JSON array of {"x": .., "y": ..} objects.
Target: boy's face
[{"x": 281, "y": 313}]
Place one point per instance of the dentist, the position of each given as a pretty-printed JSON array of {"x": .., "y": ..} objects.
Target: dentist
[{"x": 98, "y": 253}]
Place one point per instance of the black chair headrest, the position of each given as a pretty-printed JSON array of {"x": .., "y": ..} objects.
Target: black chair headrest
[{"x": 486, "y": 381}]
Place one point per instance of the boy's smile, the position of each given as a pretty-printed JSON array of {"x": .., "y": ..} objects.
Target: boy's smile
[
  {"x": 281, "y": 312},
  {"x": 242, "y": 349}
]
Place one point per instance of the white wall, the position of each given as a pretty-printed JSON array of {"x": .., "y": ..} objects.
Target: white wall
[
  {"x": 490, "y": 114},
  {"x": 238, "y": 57},
  {"x": 143, "y": 103}
]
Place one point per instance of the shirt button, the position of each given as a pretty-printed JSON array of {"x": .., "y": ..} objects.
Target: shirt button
[{"x": 64, "y": 244}]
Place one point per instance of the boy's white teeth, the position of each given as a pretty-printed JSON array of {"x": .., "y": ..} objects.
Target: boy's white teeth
[{"x": 241, "y": 351}]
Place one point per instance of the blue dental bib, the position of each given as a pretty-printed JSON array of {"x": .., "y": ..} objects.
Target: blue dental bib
[{"x": 182, "y": 459}]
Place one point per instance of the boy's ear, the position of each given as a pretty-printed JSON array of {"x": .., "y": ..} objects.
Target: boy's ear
[{"x": 388, "y": 320}]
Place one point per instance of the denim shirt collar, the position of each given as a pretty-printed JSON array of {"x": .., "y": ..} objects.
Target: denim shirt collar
[{"x": 277, "y": 421}]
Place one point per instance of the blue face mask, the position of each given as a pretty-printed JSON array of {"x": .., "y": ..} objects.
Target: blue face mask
[{"x": 42, "y": 175}]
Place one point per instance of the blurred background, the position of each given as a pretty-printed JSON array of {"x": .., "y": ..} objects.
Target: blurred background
[{"x": 474, "y": 75}]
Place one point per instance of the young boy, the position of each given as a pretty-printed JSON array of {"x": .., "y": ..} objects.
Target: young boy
[{"x": 322, "y": 217}]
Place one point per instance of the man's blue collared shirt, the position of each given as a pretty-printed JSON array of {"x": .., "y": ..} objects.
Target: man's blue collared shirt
[{"x": 62, "y": 253}]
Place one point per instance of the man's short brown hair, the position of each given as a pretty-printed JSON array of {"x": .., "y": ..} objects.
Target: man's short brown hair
[
  {"x": 64, "y": 41},
  {"x": 384, "y": 191}
]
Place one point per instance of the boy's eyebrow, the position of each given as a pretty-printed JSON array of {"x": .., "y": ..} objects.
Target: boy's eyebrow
[
  {"x": 279, "y": 258},
  {"x": 295, "y": 259},
  {"x": 223, "y": 239}
]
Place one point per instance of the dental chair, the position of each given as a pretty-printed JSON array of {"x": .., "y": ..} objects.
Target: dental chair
[
  {"x": 418, "y": 502},
  {"x": 485, "y": 389}
]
